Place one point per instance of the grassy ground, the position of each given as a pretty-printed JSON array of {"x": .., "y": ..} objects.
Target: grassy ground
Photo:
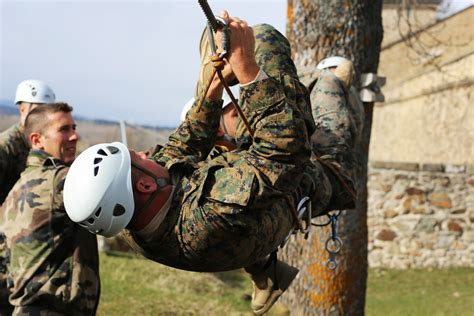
[
  {"x": 421, "y": 292},
  {"x": 135, "y": 286}
]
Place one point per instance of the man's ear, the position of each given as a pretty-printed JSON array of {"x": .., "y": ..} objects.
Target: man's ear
[
  {"x": 145, "y": 185},
  {"x": 36, "y": 140},
  {"x": 23, "y": 108}
]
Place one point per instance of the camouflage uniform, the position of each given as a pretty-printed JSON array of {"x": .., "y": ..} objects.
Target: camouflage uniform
[
  {"x": 235, "y": 209},
  {"x": 339, "y": 116},
  {"x": 13, "y": 152},
  {"x": 54, "y": 262}
]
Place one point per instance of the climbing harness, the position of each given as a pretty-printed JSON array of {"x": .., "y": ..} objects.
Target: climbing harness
[
  {"x": 302, "y": 218},
  {"x": 215, "y": 23},
  {"x": 323, "y": 160},
  {"x": 303, "y": 223},
  {"x": 333, "y": 244}
]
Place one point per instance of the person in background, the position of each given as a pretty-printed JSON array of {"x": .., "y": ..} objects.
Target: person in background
[
  {"x": 14, "y": 149},
  {"x": 54, "y": 263}
]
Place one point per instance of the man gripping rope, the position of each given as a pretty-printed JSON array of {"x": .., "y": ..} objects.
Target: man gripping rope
[{"x": 189, "y": 212}]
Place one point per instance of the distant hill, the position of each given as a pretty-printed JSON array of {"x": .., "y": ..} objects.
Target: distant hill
[
  {"x": 7, "y": 109},
  {"x": 100, "y": 131}
]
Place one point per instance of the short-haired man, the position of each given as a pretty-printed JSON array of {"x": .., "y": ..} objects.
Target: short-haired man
[
  {"x": 14, "y": 149},
  {"x": 53, "y": 261},
  {"x": 200, "y": 214}
]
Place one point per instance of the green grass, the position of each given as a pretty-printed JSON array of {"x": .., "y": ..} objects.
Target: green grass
[
  {"x": 132, "y": 285},
  {"x": 421, "y": 292}
]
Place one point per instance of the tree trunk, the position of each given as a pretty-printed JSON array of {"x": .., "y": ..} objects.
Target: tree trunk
[{"x": 318, "y": 29}]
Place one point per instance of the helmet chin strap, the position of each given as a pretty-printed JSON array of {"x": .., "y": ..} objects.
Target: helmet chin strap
[{"x": 161, "y": 183}]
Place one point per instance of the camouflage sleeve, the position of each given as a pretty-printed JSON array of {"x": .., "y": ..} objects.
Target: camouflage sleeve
[
  {"x": 58, "y": 186},
  {"x": 3, "y": 172},
  {"x": 194, "y": 138}
]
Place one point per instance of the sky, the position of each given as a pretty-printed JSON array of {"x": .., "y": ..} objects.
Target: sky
[{"x": 119, "y": 60}]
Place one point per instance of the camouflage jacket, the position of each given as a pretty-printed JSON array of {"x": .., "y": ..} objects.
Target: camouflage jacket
[
  {"x": 233, "y": 210},
  {"x": 13, "y": 152},
  {"x": 339, "y": 116},
  {"x": 53, "y": 261}
]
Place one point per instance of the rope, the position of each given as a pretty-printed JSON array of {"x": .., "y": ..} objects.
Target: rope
[{"x": 218, "y": 63}]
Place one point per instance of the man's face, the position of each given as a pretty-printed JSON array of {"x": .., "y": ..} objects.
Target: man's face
[
  {"x": 59, "y": 139},
  {"x": 139, "y": 158},
  {"x": 227, "y": 126},
  {"x": 229, "y": 121}
]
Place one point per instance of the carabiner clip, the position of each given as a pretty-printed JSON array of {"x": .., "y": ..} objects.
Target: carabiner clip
[{"x": 225, "y": 37}]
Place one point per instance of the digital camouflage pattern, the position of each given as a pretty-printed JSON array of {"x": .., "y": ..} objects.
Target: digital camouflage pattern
[
  {"x": 339, "y": 117},
  {"x": 13, "y": 152},
  {"x": 235, "y": 209},
  {"x": 54, "y": 262}
]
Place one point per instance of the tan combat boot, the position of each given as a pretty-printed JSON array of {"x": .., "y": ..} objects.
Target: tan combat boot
[{"x": 269, "y": 284}]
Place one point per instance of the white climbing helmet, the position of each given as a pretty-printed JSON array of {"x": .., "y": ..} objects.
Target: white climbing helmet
[
  {"x": 34, "y": 91},
  {"x": 185, "y": 109},
  {"x": 98, "y": 192},
  {"x": 329, "y": 62},
  {"x": 225, "y": 97},
  {"x": 235, "y": 92}
]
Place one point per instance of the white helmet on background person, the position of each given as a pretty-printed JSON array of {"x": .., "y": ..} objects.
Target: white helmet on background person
[
  {"x": 225, "y": 97},
  {"x": 186, "y": 108},
  {"x": 34, "y": 91},
  {"x": 235, "y": 92},
  {"x": 98, "y": 192},
  {"x": 330, "y": 62}
]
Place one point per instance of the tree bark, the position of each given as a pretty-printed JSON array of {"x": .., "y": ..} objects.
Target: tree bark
[{"x": 318, "y": 29}]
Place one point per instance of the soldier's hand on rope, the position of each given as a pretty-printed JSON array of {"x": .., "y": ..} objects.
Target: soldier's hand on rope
[
  {"x": 241, "y": 55},
  {"x": 216, "y": 89}
]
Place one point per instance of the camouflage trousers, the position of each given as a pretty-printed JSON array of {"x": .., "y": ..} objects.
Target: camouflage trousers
[
  {"x": 34, "y": 311},
  {"x": 5, "y": 307}
]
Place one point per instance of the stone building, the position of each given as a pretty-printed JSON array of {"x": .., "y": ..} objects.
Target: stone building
[{"x": 421, "y": 175}]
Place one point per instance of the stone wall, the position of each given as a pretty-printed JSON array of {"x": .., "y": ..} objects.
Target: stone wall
[{"x": 420, "y": 215}]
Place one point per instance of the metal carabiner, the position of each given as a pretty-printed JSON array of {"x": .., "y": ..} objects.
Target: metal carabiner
[
  {"x": 304, "y": 207},
  {"x": 225, "y": 37}
]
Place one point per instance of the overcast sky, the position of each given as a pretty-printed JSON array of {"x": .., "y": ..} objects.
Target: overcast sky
[{"x": 132, "y": 60}]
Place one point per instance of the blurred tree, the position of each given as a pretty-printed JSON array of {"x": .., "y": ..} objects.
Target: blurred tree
[{"x": 318, "y": 29}]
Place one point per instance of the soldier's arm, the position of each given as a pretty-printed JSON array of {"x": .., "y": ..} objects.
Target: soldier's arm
[{"x": 195, "y": 137}]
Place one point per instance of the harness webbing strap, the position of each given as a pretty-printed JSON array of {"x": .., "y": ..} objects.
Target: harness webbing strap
[{"x": 338, "y": 175}]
